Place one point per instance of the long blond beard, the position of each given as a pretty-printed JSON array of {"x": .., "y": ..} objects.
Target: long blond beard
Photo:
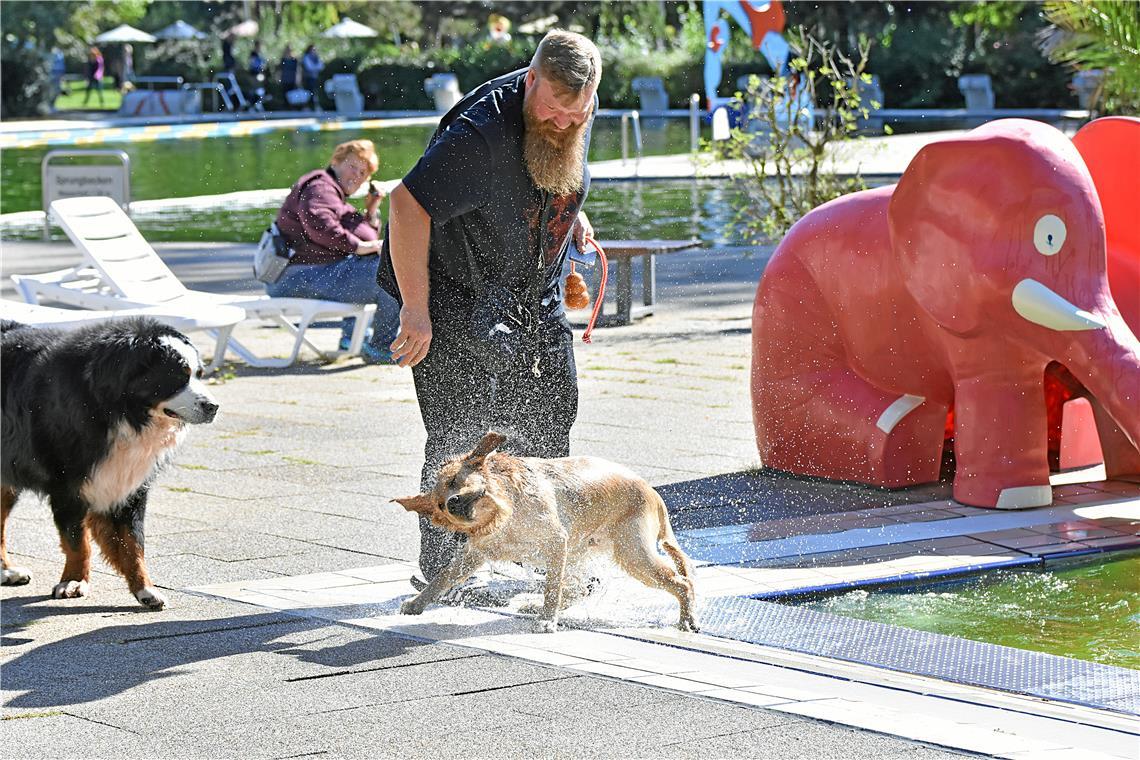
[{"x": 554, "y": 157}]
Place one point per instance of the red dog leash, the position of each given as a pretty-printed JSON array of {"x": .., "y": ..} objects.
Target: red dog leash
[{"x": 579, "y": 288}]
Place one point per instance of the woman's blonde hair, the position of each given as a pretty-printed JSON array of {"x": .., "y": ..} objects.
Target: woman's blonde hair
[{"x": 360, "y": 148}]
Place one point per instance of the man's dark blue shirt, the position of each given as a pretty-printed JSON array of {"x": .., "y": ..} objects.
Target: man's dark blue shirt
[{"x": 473, "y": 182}]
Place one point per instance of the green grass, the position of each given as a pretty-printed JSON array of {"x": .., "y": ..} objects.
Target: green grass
[
  {"x": 178, "y": 489},
  {"x": 73, "y": 100}
]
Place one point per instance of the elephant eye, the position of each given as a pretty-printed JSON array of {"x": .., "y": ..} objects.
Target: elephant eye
[{"x": 1049, "y": 235}]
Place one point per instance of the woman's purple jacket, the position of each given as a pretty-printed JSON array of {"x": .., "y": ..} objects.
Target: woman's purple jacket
[{"x": 319, "y": 223}]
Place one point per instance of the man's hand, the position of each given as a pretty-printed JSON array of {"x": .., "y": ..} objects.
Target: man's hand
[
  {"x": 411, "y": 345},
  {"x": 582, "y": 230},
  {"x": 372, "y": 205},
  {"x": 368, "y": 248},
  {"x": 375, "y": 194}
]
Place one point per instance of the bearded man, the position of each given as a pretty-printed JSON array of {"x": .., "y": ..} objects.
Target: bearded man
[{"x": 484, "y": 217}]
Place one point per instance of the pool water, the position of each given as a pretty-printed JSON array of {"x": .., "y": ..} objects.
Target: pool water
[
  {"x": 668, "y": 209},
  {"x": 208, "y": 166},
  {"x": 1090, "y": 611}
]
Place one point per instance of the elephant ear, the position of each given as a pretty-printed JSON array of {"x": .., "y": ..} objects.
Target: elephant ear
[{"x": 949, "y": 216}]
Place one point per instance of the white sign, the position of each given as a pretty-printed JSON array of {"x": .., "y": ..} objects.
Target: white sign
[{"x": 84, "y": 181}]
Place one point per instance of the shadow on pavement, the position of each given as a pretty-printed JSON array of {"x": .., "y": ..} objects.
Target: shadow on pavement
[
  {"x": 102, "y": 663},
  {"x": 738, "y": 498}
]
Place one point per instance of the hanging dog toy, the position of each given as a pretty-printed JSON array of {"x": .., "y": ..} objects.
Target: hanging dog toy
[{"x": 578, "y": 296}]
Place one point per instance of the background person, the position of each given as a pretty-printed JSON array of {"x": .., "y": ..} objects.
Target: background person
[
  {"x": 94, "y": 74},
  {"x": 502, "y": 185},
  {"x": 58, "y": 69},
  {"x": 257, "y": 72},
  {"x": 311, "y": 66},
  {"x": 229, "y": 63},
  {"x": 256, "y": 61},
  {"x": 126, "y": 67},
  {"x": 288, "y": 70},
  {"x": 336, "y": 245}
]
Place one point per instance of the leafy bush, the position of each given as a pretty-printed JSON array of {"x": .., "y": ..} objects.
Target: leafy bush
[
  {"x": 787, "y": 159},
  {"x": 181, "y": 58},
  {"x": 623, "y": 62},
  {"x": 640, "y": 49},
  {"x": 25, "y": 82},
  {"x": 1093, "y": 35}
]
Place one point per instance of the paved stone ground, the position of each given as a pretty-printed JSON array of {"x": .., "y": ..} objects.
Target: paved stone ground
[{"x": 294, "y": 477}]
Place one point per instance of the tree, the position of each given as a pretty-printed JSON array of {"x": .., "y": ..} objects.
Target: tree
[{"x": 787, "y": 158}]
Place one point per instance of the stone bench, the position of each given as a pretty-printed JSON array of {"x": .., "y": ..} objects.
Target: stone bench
[{"x": 621, "y": 254}]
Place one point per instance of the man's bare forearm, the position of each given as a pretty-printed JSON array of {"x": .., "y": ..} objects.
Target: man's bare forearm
[{"x": 409, "y": 236}]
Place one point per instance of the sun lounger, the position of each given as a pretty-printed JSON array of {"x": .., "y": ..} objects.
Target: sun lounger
[
  {"x": 219, "y": 320},
  {"x": 121, "y": 270}
]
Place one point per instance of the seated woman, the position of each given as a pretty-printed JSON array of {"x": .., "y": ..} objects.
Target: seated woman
[{"x": 336, "y": 245}]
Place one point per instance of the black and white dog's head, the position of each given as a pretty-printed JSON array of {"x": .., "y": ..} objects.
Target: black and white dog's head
[{"x": 143, "y": 368}]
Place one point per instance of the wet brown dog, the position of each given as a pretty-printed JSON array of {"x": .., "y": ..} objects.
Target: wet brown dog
[{"x": 552, "y": 512}]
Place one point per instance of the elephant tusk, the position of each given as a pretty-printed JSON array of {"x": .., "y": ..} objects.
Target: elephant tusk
[
  {"x": 898, "y": 409},
  {"x": 1040, "y": 305}
]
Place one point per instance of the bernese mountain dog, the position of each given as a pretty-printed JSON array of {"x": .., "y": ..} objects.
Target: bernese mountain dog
[{"x": 90, "y": 416}]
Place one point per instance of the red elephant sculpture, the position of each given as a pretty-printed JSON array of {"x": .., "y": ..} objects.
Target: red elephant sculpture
[{"x": 950, "y": 293}]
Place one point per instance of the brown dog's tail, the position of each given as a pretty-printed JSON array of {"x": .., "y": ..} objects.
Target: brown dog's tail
[{"x": 668, "y": 541}]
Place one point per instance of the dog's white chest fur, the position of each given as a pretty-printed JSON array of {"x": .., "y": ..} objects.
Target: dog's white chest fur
[{"x": 132, "y": 459}]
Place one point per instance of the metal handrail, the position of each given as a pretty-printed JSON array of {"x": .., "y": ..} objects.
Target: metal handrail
[
  {"x": 214, "y": 88},
  {"x": 150, "y": 81},
  {"x": 626, "y": 118}
]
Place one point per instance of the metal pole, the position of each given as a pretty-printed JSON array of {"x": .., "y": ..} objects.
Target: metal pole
[
  {"x": 636, "y": 139},
  {"x": 624, "y": 138},
  {"x": 694, "y": 122}
]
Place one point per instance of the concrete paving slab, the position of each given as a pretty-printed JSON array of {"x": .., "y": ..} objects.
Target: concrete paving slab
[{"x": 319, "y": 449}]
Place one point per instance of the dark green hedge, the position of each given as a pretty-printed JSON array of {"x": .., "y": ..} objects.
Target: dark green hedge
[{"x": 25, "y": 82}]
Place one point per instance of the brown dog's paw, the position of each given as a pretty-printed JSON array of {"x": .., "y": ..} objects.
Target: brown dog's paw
[
  {"x": 531, "y": 604},
  {"x": 545, "y": 626},
  {"x": 411, "y": 608},
  {"x": 17, "y": 576},
  {"x": 150, "y": 598},
  {"x": 689, "y": 624},
  {"x": 70, "y": 589}
]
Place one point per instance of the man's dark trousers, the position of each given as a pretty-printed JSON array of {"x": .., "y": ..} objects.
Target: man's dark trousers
[{"x": 460, "y": 401}]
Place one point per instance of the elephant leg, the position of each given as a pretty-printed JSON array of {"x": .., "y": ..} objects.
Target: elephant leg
[
  {"x": 814, "y": 415},
  {"x": 840, "y": 426},
  {"x": 1120, "y": 456},
  {"x": 1001, "y": 439}
]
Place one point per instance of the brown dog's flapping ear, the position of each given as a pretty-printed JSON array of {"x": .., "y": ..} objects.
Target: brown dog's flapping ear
[
  {"x": 490, "y": 442},
  {"x": 421, "y": 503}
]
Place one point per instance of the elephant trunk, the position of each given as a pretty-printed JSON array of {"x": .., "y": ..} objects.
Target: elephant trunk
[{"x": 1107, "y": 362}]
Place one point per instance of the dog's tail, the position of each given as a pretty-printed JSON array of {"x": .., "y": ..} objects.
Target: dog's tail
[{"x": 668, "y": 540}]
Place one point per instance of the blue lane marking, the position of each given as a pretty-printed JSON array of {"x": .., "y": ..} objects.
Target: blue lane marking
[{"x": 199, "y": 130}]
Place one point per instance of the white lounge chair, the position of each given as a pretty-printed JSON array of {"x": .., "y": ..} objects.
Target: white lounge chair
[
  {"x": 220, "y": 319},
  {"x": 122, "y": 270}
]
